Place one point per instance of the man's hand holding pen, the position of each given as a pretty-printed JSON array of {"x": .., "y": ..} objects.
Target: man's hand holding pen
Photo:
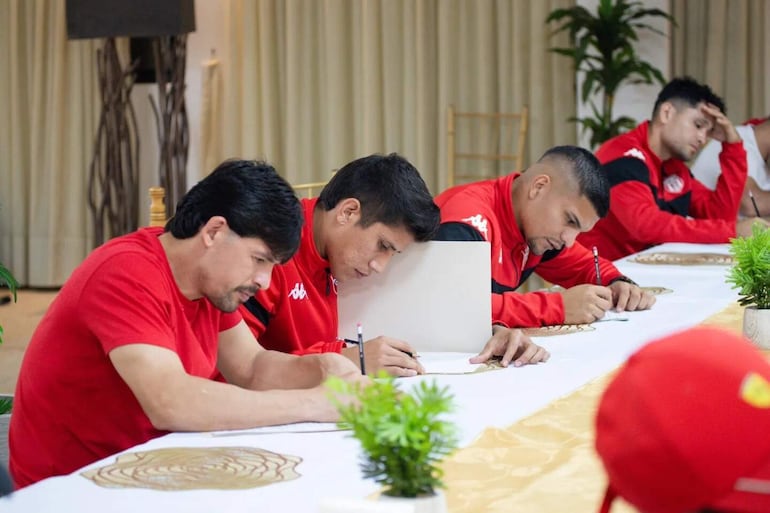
[{"x": 396, "y": 357}]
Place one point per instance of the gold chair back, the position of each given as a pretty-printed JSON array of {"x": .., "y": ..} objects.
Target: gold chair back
[
  {"x": 309, "y": 189},
  {"x": 483, "y": 145}
]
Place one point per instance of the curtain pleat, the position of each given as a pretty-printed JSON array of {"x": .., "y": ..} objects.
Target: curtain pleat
[
  {"x": 48, "y": 114},
  {"x": 726, "y": 44},
  {"x": 313, "y": 84}
]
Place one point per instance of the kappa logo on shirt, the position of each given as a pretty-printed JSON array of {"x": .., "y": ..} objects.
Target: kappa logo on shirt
[
  {"x": 298, "y": 292},
  {"x": 673, "y": 184},
  {"x": 636, "y": 153},
  {"x": 479, "y": 223}
]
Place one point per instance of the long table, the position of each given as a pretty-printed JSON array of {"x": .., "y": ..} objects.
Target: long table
[{"x": 516, "y": 425}]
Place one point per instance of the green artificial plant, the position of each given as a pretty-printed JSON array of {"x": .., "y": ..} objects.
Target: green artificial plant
[
  {"x": 603, "y": 49},
  {"x": 7, "y": 279},
  {"x": 403, "y": 435},
  {"x": 751, "y": 272}
]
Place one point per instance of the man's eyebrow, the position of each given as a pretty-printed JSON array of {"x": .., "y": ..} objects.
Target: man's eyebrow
[{"x": 389, "y": 245}]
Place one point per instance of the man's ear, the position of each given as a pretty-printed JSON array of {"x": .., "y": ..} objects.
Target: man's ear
[
  {"x": 666, "y": 112},
  {"x": 348, "y": 211},
  {"x": 539, "y": 186},
  {"x": 215, "y": 227}
]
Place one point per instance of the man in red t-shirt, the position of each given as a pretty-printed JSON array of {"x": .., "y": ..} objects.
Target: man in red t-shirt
[
  {"x": 371, "y": 209},
  {"x": 654, "y": 197},
  {"x": 128, "y": 349}
]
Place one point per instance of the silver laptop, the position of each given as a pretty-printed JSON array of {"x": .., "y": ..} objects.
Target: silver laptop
[{"x": 434, "y": 295}]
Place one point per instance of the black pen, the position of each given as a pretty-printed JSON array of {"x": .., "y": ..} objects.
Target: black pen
[
  {"x": 754, "y": 202},
  {"x": 351, "y": 341},
  {"x": 361, "y": 348},
  {"x": 596, "y": 267}
]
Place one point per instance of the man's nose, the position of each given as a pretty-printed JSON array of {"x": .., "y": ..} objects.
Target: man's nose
[
  {"x": 379, "y": 263},
  {"x": 262, "y": 277},
  {"x": 569, "y": 237}
]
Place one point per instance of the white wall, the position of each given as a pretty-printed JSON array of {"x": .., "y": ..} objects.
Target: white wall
[{"x": 636, "y": 101}]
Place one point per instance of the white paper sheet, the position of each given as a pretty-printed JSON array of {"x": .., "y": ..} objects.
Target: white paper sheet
[
  {"x": 299, "y": 427},
  {"x": 435, "y": 295},
  {"x": 448, "y": 363}
]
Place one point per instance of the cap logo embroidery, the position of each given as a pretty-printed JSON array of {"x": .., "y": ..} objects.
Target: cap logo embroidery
[{"x": 755, "y": 390}]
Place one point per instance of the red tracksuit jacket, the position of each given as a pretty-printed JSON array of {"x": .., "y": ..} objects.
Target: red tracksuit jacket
[
  {"x": 654, "y": 201},
  {"x": 298, "y": 313},
  {"x": 484, "y": 211}
]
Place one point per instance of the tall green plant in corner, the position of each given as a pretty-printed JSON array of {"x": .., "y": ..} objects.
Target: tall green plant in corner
[{"x": 603, "y": 49}]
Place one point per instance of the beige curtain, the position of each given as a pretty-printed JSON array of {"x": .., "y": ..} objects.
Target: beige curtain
[
  {"x": 211, "y": 116},
  {"x": 726, "y": 44},
  {"x": 312, "y": 84},
  {"x": 48, "y": 114}
]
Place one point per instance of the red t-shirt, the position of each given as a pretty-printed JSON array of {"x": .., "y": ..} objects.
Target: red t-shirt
[
  {"x": 298, "y": 313},
  {"x": 71, "y": 407}
]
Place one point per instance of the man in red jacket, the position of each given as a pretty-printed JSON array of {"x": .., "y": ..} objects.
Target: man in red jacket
[
  {"x": 532, "y": 220},
  {"x": 372, "y": 208},
  {"x": 654, "y": 197}
]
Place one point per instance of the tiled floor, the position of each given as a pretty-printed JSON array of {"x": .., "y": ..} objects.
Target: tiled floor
[{"x": 19, "y": 321}]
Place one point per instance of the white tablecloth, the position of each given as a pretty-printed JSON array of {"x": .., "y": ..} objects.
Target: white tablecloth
[{"x": 497, "y": 398}]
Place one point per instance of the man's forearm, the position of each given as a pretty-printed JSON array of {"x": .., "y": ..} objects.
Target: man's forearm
[
  {"x": 200, "y": 404},
  {"x": 277, "y": 370}
]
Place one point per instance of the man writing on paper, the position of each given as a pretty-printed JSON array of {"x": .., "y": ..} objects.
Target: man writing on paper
[
  {"x": 128, "y": 349},
  {"x": 654, "y": 198},
  {"x": 532, "y": 220},
  {"x": 371, "y": 209}
]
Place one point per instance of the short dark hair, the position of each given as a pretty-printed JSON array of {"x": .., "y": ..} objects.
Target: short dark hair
[
  {"x": 586, "y": 169},
  {"x": 685, "y": 90},
  {"x": 252, "y": 197},
  {"x": 390, "y": 190}
]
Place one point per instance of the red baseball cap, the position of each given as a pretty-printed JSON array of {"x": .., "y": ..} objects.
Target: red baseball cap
[{"x": 685, "y": 425}]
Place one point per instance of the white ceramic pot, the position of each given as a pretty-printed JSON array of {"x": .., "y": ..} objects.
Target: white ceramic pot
[
  {"x": 431, "y": 504},
  {"x": 756, "y": 326}
]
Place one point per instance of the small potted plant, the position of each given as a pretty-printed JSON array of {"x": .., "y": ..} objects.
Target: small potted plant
[
  {"x": 403, "y": 435},
  {"x": 751, "y": 276}
]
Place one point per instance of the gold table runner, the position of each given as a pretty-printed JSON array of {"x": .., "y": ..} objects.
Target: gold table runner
[{"x": 546, "y": 462}]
